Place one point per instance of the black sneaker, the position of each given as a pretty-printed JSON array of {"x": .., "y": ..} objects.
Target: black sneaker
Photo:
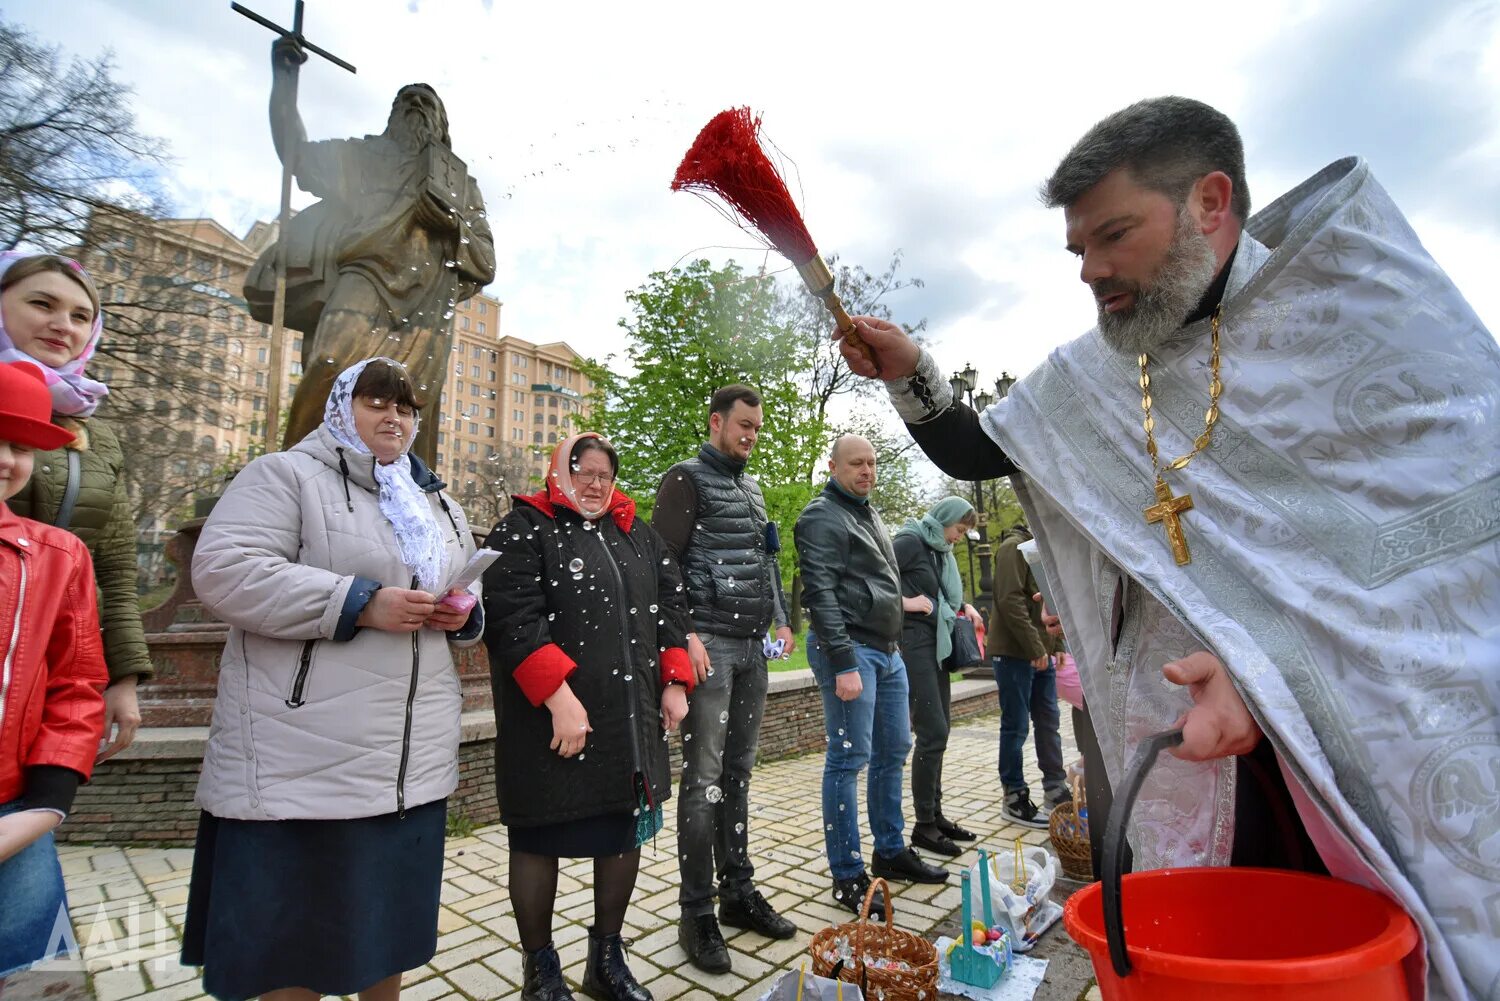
[
  {"x": 850, "y": 893},
  {"x": 1019, "y": 809},
  {"x": 701, "y": 939},
  {"x": 1055, "y": 798},
  {"x": 952, "y": 830},
  {"x": 753, "y": 911},
  {"x": 907, "y": 867}
]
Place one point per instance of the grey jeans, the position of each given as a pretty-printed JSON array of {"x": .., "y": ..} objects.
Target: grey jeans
[{"x": 720, "y": 736}]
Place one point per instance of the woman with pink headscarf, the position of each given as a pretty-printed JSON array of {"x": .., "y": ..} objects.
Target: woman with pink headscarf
[{"x": 50, "y": 317}]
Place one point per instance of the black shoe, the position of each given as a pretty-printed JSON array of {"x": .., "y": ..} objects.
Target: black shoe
[
  {"x": 952, "y": 830},
  {"x": 606, "y": 977},
  {"x": 701, "y": 939},
  {"x": 1019, "y": 809},
  {"x": 751, "y": 910},
  {"x": 931, "y": 838},
  {"x": 542, "y": 976},
  {"x": 851, "y": 892},
  {"x": 1055, "y": 798},
  {"x": 907, "y": 867}
]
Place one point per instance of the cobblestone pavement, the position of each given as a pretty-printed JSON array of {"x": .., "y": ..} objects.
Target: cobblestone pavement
[{"x": 128, "y": 904}]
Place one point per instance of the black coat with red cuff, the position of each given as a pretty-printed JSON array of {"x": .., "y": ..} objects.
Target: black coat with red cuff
[{"x": 601, "y": 606}]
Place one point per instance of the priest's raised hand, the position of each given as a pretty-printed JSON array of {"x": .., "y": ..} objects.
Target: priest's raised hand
[{"x": 896, "y": 353}]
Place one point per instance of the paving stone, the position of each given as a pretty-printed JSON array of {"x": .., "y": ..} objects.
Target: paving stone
[
  {"x": 667, "y": 987},
  {"x": 434, "y": 987},
  {"x": 568, "y": 934},
  {"x": 458, "y": 937},
  {"x": 115, "y": 985},
  {"x": 454, "y": 958},
  {"x": 490, "y": 895},
  {"x": 450, "y": 920},
  {"x": 508, "y": 964},
  {"x": 479, "y": 981},
  {"x": 165, "y": 971}
]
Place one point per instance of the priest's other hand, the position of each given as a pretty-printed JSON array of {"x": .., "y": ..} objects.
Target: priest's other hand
[
  {"x": 1050, "y": 622},
  {"x": 896, "y": 353},
  {"x": 1218, "y": 725}
]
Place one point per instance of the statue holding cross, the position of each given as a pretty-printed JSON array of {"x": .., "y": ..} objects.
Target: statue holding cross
[{"x": 377, "y": 266}]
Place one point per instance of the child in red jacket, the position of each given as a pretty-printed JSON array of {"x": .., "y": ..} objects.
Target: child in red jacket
[{"x": 52, "y": 679}]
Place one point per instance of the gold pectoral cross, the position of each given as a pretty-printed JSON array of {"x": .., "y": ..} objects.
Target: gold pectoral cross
[{"x": 1168, "y": 510}]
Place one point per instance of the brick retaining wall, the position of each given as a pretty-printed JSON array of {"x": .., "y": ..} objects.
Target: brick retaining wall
[{"x": 145, "y": 794}]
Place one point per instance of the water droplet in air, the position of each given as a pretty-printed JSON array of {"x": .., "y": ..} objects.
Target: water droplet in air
[
  {"x": 575, "y": 565},
  {"x": 713, "y": 794}
]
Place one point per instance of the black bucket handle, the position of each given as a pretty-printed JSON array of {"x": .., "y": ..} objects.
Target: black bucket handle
[{"x": 1114, "y": 841}]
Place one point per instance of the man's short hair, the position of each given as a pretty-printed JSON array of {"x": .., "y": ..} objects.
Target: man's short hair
[
  {"x": 724, "y": 399},
  {"x": 1167, "y": 144}
]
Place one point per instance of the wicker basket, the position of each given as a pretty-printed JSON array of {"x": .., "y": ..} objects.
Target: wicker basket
[
  {"x": 917, "y": 980},
  {"x": 1073, "y": 849}
]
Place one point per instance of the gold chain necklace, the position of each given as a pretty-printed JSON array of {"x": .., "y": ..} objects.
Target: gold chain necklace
[{"x": 1168, "y": 509}]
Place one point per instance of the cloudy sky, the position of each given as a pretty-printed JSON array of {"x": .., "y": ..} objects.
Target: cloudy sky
[{"x": 919, "y": 128}]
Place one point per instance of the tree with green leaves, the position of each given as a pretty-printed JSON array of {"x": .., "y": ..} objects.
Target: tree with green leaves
[{"x": 691, "y": 330}]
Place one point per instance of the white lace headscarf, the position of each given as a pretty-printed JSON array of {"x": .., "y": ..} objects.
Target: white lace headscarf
[{"x": 404, "y": 504}]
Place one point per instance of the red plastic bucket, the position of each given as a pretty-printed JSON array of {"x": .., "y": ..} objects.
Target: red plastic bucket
[
  {"x": 1228, "y": 934},
  {"x": 1218, "y": 934}
]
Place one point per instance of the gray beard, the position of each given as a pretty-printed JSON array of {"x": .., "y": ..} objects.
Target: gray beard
[
  {"x": 412, "y": 131},
  {"x": 1162, "y": 307}
]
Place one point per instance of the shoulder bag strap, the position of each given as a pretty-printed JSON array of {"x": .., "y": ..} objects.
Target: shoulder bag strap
[{"x": 70, "y": 491}]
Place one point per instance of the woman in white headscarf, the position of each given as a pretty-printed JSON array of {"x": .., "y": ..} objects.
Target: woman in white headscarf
[{"x": 335, "y": 732}]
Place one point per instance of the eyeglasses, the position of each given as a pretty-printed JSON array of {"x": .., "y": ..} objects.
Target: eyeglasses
[{"x": 589, "y": 479}]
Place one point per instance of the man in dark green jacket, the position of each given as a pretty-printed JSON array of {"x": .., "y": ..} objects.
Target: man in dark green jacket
[{"x": 1022, "y": 655}]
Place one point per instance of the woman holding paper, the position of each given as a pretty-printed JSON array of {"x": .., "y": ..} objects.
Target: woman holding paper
[{"x": 335, "y": 732}]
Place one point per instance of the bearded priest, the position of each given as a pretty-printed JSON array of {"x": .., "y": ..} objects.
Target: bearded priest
[{"x": 1266, "y": 487}]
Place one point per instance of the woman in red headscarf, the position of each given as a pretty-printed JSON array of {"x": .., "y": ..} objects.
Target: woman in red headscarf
[{"x": 588, "y": 659}]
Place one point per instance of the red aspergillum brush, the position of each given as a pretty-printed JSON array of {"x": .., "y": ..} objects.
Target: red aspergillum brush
[{"x": 727, "y": 160}]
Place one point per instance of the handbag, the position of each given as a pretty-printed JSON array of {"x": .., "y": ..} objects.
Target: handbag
[{"x": 966, "y": 652}]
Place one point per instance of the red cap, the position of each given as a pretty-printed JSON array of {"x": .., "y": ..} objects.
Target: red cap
[{"x": 26, "y": 408}]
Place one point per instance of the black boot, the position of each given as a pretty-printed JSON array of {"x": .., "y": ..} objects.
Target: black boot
[
  {"x": 701, "y": 939},
  {"x": 606, "y": 977},
  {"x": 542, "y": 977},
  {"x": 750, "y": 909}
]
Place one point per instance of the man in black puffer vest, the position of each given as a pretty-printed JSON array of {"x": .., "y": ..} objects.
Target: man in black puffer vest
[{"x": 713, "y": 519}]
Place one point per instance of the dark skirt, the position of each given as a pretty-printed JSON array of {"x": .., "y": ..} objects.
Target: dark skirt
[
  {"x": 334, "y": 906},
  {"x": 589, "y": 837}
]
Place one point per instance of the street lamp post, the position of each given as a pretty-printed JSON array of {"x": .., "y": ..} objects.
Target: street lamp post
[{"x": 964, "y": 384}]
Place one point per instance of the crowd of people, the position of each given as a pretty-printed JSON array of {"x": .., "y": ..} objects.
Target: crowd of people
[{"x": 1255, "y": 623}]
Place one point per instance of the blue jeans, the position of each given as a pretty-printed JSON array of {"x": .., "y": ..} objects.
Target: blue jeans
[
  {"x": 1028, "y": 698},
  {"x": 34, "y": 924},
  {"x": 874, "y": 730}
]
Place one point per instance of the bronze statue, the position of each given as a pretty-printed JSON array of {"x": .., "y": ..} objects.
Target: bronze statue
[{"x": 377, "y": 266}]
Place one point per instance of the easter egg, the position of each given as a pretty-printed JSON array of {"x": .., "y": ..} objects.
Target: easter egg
[
  {"x": 994, "y": 934},
  {"x": 981, "y": 933}
]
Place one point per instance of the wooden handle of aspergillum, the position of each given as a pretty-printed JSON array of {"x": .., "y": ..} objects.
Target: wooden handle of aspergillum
[{"x": 819, "y": 281}]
